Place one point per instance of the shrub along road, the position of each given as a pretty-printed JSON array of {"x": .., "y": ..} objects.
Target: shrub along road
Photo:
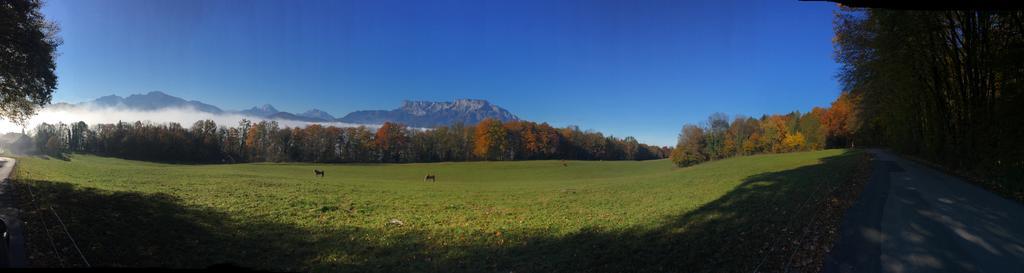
[{"x": 911, "y": 218}]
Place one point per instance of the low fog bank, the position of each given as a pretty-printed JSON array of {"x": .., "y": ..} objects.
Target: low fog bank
[{"x": 93, "y": 115}]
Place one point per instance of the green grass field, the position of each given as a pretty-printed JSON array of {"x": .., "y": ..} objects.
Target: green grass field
[{"x": 479, "y": 216}]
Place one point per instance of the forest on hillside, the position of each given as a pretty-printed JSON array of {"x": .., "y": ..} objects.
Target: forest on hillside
[{"x": 719, "y": 138}]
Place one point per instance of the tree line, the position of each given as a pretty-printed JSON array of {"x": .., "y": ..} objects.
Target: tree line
[
  {"x": 266, "y": 141},
  {"x": 945, "y": 86},
  {"x": 719, "y": 137}
]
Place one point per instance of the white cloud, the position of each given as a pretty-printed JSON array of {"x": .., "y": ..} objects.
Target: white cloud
[{"x": 93, "y": 115}]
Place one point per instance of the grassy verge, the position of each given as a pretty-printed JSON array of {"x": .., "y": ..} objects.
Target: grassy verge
[{"x": 723, "y": 216}]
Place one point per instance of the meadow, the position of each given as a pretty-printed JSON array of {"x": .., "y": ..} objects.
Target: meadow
[{"x": 523, "y": 216}]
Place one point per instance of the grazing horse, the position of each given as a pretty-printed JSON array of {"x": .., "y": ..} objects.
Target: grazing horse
[
  {"x": 318, "y": 172},
  {"x": 430, "y": 177}
]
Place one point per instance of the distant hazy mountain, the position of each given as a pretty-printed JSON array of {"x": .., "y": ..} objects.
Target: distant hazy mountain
[
  {"x": 411, "y": 113},
  {"x": 317, "y": 114},
  {"x": 431, "y": 114},
  {"x": 265, "y": 110},
  {"x": 290, "y": 116},
  {"x": 154, "y": 100}
]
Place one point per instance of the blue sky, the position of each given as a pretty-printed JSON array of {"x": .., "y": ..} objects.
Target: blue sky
[{"x": 640, "y": 68}]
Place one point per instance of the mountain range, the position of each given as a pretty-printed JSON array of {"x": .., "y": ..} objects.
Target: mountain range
[
  {"x": 153, "y": 101},
  {"x": 411, "y": 113},
  {"x": 432, "y": 114}
]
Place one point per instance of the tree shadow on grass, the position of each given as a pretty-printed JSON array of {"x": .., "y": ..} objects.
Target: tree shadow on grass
[
  {"x": 730, "y": 234},
  {"x": 152, "y": 230},
  {"x": 59, "y": 156},
  {"x": 758, "y": 220}
]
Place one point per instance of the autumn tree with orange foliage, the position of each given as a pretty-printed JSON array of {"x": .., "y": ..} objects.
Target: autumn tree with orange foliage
[
  {"x": 491, "y": 140},
  {"x": 691, "y": 147},
  {"x": 719, "y": 138},
  {"x": 392, "y": 140},
  {"x": 774, "y": 131},
  {"x": 839, "y": 121},
  {"x": 519, "y": 134}
]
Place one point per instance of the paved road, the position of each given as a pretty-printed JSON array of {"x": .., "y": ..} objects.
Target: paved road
[
  {"x": 911, "y": 218},
  {"x": 12, "y": 243}
]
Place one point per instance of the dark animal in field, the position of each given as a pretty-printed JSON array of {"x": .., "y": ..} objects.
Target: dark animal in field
[
  {"x": 565, "y": 164},
  {"x": 319, "y": 173},
  {"x": 430, "y": 177}
]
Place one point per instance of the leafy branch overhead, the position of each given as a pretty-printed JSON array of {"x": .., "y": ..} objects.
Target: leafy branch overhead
[{"x": 28, "y": 47}]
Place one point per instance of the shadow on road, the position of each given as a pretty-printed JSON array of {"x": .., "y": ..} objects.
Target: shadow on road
[{"x": 915, "y": 219}]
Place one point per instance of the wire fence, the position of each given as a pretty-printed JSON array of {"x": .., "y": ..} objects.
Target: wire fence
[{"x": 35, "y": 204}]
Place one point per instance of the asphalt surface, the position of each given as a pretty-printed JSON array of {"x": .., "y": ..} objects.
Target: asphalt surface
[
  {"x": 12, "y": 241},
  {"x": 911, "y": 218}
]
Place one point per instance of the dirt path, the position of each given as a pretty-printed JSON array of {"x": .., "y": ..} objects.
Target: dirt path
[
  {"x": 12, "y": 245},
  {"x": 911, "y": 218}
]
